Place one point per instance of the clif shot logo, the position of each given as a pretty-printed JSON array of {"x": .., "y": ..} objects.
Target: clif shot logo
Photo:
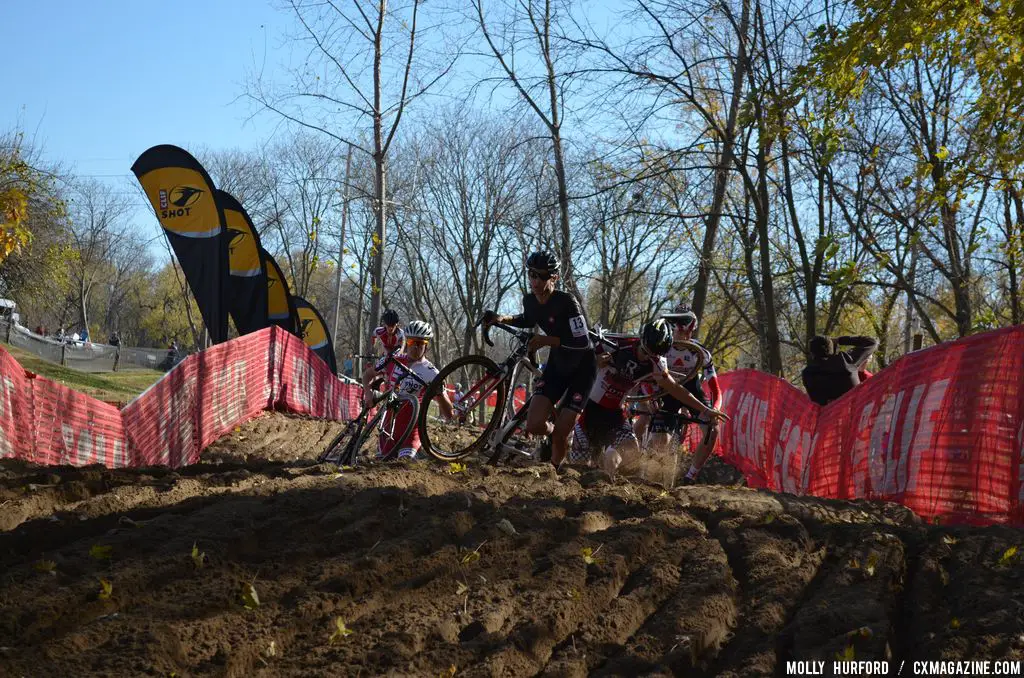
[{"x": 178, "y": 201}]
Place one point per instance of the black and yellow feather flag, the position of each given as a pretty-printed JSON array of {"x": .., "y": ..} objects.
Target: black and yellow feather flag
[
  {"x": 280, "y": 303},
  {"x": 313, "y": 331},
  {"x": 247, "y": 275},
  {"x": 182, "y": 194}
]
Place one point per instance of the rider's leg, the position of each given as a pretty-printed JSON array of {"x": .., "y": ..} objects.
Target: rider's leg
[
  {"x": 538, "y": 417},
  {"x": 704, "y": 449},
  {"x": 565, "y": 420}
]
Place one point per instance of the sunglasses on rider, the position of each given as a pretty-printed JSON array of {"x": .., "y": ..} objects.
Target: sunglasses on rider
[
  {"x": 536, "y": 275},
  {"x": 416, "y": 341}
]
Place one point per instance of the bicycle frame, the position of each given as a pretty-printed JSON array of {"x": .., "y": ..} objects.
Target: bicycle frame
[{"x": 509, "y": 369}]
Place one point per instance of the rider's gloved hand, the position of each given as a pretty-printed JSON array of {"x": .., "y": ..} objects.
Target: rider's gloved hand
[{"x": 490, "y": 317}]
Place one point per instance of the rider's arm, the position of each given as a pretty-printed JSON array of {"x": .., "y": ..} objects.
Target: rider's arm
[
  {"x": 676, "y": 390},
  {"x": 714, "y": 392}
]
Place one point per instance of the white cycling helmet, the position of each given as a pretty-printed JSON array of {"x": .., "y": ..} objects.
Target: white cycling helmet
[
  {"x": 683, "y": 316},
  {"x": 419, "y": 329}
]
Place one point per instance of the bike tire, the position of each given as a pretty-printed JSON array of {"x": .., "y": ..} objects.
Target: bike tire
[
  {"x": 395, "y": 406},
  {"x": 490, "y": 370},
  {"x": 351, "y": 429},
  {"x": 351, "y": 454},
  {"x": 520, "y": 419}
]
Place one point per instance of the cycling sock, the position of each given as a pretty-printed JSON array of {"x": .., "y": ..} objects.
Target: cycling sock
[{"x": 692, "y": 473}]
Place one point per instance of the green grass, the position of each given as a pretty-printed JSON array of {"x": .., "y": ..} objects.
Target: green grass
[{"x": 109, "y": 386}]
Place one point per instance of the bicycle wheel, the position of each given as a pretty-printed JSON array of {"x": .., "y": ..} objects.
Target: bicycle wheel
[
  {"x": 392, "y": 428},
  {"x": 478, "y": 413},
  {"x": 334, "y": 451},
  {"x": 514, "y": 437}
]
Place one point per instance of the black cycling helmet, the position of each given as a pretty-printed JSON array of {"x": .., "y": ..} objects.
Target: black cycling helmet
[
  {"x": 656, "y": 337},
  {"x": 543, "y": 261},
  {"x": 682, "y": 315},
  {"x": 389, "y": 317}
]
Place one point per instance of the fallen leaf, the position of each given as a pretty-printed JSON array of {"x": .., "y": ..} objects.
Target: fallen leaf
[
  {"x": 470, "y": 557},
  {"x": 954, "y": 623},
  {"x": 505, "y": 526},
  {"x": 98, "y": 552},
  {"x": 455, "y": 467},
  {"x": 870, "y": 566},
  {"x": 198, "y": 557},
  {"x": 47, "y": 566},
  {"x": 106, "y": 588},
  {"x": 588, "y": 555},
  {"x": 462, "y": 589},
  {"x": 846, "y": 655},
  {"x": 1008, "y": 556},
  {"x": 341, "y": 631},
  {"x": 949, "y": 540},
  {"x": 250, "y": 599}
]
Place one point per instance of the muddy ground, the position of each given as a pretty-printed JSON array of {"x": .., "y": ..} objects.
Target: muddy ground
[{"x": 416, "y": 570}]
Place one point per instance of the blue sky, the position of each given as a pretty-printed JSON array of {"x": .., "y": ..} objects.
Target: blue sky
[
  {"x": 98, "y": 83},
  {"x": 95, "y": 84}
]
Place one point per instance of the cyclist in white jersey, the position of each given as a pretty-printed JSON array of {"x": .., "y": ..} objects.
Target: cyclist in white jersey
[
  {"x": 603, "y": 427},
  {"x": 665, "y": 422}
]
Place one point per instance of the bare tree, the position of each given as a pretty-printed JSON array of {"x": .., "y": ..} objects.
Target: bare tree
[
  {"x": 518, "y": 31},
  {"x": 362, "y": 70}
]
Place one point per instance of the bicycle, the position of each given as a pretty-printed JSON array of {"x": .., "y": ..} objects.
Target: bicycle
[
  {"x": 501, "y": 436},
  {"x": 344, "y": 449}
]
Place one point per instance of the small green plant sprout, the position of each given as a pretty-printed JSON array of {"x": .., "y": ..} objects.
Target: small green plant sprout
[
  {"x": 46, "y": 566},
  {"x": 99, "y": 552},
  {"x": 1009, "y": 557},
  {"x": 456, "y": 467},
  {"x": 198, "y": 557},
  {"x": 250, "y": 599},
  {"x": 340, "y": 631},
  {"x": 847, "y": 655},
  {"x": 106, "y": 588},
  {"x": 589, "y": 555}
]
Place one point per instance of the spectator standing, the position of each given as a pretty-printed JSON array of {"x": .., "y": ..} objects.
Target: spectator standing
[{"x": 830, "y": 372}]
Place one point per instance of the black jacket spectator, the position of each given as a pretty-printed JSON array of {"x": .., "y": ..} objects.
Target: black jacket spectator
[{"x": 830, "y": 373}]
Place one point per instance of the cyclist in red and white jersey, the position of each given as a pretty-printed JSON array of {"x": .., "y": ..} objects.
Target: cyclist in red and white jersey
[
  {"x": 604, "y": 425},
  {"x": 390, "y": 336},
  {"x": 703, "y": 386},
  {"x": 417, "y": 334}
]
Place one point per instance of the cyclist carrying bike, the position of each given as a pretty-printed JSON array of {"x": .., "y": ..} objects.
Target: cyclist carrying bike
[
  {"x": 418, "y": 334},
  {"x": 571, "y": 366},
  {"x": 703, "y": 386},
  {"x": 604, "y": 426}
]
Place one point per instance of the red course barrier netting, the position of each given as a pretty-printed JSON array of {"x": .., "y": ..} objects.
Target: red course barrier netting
[
  {"x": 940, "y": 431},
  {"x": 201, "y": 399}
]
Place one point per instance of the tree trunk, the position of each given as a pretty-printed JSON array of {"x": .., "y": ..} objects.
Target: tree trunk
[
  {"x": 341, "y": 247},
  {"x": 725, "y": 161}
]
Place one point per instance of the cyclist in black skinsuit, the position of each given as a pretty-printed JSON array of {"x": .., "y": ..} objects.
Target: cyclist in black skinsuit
[{"x": 571, "y": 366}]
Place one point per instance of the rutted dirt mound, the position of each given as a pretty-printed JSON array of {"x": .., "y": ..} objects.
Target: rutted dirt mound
[{"x": 481, "y": 572}]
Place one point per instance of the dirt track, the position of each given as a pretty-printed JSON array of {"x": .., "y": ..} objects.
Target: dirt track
[{"x": 473, "y": 573}]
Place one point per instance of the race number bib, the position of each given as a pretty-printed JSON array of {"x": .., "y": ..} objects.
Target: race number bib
[{"x": 578, "y": 326}]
